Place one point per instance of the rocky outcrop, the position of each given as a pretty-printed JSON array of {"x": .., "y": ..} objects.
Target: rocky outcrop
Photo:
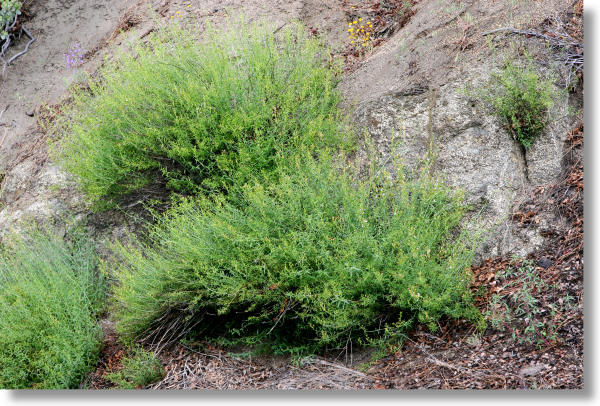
[
  {"x": 471, "y": 150},
  {"x": 38, "y": 192},
  {"x": 410, "y": 95}
]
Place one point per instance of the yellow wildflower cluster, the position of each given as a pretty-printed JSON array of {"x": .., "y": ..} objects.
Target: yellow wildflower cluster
[
  {"x": 178, "y": 14},
  {"x": 359, "y": 33}
]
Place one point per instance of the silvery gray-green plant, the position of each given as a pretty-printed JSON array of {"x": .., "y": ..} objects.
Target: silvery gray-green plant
[{"x": 9, "y": 11}]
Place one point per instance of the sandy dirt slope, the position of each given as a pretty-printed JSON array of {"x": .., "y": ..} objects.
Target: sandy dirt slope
[
  {"x": 41, "y": 75},
  {"x": 441, "y": 43}
]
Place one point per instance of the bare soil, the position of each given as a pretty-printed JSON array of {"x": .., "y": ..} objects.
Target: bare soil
[{"x": 41, "y": 75}]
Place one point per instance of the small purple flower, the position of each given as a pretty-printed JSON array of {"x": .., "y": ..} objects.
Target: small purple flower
[{"x": 74, "y": 57}]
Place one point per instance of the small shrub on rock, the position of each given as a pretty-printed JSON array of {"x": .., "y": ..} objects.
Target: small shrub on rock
[{"x": 521, "y": 97}]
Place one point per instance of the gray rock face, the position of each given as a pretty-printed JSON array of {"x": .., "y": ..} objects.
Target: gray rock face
[
  {"x": 40, "y": 193},
  {"x": 471, "y": 151},
  {"x": 544, "y": 158}
]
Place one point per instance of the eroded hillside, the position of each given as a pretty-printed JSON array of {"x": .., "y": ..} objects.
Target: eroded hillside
[{"x": 415, "y": 89}]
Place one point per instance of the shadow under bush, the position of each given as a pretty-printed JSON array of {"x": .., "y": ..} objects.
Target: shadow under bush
[
  {"x": 200, "y": 115},
  {"x": 300, "y": 265},
  {"x": 50, "y": 295}
]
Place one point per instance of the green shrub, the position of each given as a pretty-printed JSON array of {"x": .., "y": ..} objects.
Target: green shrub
[
  {"x": 199, "y": 116},
  {"x": 139, "y": 369},
  {"x": 50, "y": 294},
  {"x": 522, "y": 310},
  {"x": 301, "y": 265},
  {"x": 521, "y": 98}
]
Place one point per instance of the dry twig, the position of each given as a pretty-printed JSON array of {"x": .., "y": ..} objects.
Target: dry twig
[
  {"x": 568, "y": 51},
  {"x": 3, "y": 137}
]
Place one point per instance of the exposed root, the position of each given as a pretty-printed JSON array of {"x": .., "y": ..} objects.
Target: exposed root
[{"x": 24, "y": 51}]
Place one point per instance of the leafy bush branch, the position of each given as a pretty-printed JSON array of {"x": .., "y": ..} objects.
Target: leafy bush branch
[
  {"x": 9, "y": 11},
  {"x": 138, "y": 369},
  {"x": 521, "y": 98}
]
